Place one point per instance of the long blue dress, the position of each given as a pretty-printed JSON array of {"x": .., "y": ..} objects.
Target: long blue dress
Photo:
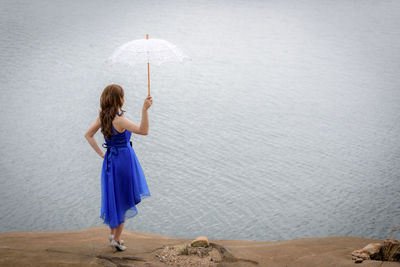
[{"x": 123, "y": 184}]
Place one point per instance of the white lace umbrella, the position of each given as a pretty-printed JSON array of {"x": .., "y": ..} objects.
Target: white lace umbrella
[{"x": 154, "y": 51}]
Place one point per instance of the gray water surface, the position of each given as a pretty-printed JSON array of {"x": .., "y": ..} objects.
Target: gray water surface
[{"x": 284, "y": 125}]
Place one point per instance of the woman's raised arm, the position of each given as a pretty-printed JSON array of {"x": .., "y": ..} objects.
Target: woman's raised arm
[{"x": 143, "y": 128}]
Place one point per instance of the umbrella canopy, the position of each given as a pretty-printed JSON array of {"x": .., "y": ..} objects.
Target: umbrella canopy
[{"x": 154, "y": 51}]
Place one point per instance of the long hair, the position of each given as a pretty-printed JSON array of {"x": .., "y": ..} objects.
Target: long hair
[{"x": 110, "y": 102}]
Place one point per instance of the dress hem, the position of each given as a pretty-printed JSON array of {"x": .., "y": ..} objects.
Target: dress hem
[{"x": 133, "y": 208}]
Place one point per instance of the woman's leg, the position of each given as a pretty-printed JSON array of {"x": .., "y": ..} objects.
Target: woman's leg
[
  {"x": 112, "y": 231},
  {"x": 118, "y": 231}
]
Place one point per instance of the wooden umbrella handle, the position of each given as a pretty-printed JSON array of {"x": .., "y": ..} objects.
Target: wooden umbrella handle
[{"x": 148, "y": 72}]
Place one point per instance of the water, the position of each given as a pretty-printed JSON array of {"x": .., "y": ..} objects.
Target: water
[{"x": 284, "y": 125}]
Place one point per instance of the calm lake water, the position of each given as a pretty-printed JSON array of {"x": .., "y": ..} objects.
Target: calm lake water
[{"x": 285, "y": 124}]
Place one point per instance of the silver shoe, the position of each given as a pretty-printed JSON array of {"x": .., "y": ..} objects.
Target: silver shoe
[
  {"x": 111, "y": 237},
  {"x": 117, "y": 245}
]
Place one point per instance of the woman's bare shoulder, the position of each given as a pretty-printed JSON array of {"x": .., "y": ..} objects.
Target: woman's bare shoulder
[
  {"x": 120, "y": 118},
  {"x": 121, "y": 121}
]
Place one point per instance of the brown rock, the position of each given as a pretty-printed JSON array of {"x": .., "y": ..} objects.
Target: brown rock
[
  {"x": 391, "y": 250},
  {"x": 373, "y": 250},
  {"x": 215, "y": 255},
  {"x": 370, "y": 251},
  {"x": 388, "y": 251},
  {"x": 360, "y": 253},
  {"x": 200, "y": 241},
  {"x": 359, "y": 260}
]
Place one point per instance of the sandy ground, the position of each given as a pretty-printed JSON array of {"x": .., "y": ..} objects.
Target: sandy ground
[{"x": 90, "y": 247}]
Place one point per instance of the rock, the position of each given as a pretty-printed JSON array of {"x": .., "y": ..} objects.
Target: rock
[
  {"x": 186, "y": 255},
  {"x": 200, "y": 241},
  {"x": 370, "y": 251},
  {"x": 360, "y": 253},
  {"x": 391, "y": 250},
  {"x": 359, "y": 260},
  {"x": 215, "y": 255},
  {"x": 373, "y": 250},
  {"x": 388, "y": 251},
  {"x": 199, "y": 251},
  {"x": 182, "y": 250}
]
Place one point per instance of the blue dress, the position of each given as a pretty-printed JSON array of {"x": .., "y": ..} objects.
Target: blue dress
[{"x": 123, "y": 184}]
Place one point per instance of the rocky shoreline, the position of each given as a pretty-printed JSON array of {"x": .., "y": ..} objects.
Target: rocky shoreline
[{"x": 90, "y": 247}]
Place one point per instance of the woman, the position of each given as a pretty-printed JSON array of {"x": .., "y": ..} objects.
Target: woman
[{"x": 123, "y": 183}]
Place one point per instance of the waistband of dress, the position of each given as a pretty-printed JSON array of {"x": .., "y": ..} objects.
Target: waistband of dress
[{"x": 105, "y": 145}]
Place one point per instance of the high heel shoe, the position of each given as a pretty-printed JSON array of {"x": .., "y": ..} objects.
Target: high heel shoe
[
  {"x": 117, "y": 245},
  {"x": 111, "y": 237}
]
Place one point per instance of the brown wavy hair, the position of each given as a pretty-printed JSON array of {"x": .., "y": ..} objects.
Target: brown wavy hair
[{"x": 110, "y": 103}]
